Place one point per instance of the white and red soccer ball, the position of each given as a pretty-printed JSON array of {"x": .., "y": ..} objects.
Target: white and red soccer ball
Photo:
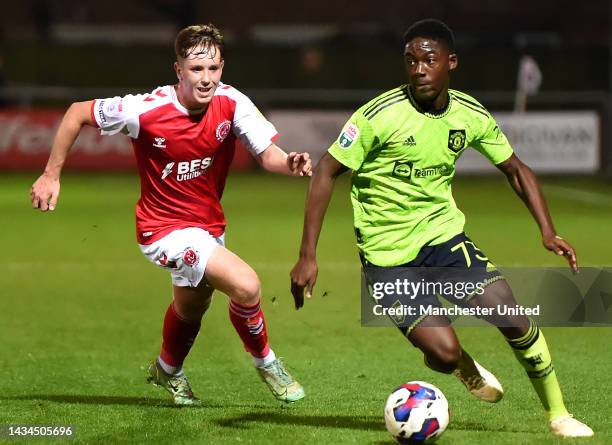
[{"x": 416, "y": 413}]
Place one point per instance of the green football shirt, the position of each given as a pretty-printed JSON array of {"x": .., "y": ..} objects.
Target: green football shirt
[{"x": 403, "y": 161}]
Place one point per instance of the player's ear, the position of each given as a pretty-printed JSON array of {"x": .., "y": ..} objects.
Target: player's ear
[
  {"x": 453, "y": 62},
  {"x": 178, "y": 71}
]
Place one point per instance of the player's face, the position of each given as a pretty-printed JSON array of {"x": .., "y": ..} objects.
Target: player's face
[
  {"x": 199, "y": 75},
  {"x": 428, "y": 63}
]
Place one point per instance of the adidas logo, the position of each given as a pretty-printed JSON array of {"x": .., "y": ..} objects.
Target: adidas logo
[{"x": 410, "y": 141}]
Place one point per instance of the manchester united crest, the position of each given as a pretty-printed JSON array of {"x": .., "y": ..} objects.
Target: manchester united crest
[{"x": 456, "y": 140}]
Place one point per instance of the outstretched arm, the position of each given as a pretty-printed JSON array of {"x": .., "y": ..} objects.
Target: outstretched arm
[
  {"x": 45, "y": 191},
  {"x": 525, "y": 184},
  {"x": 275, "y": 160},
  {"x": 304, "y": 273}
]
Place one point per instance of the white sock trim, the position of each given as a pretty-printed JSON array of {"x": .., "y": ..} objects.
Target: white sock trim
[
  {"x": 169, "y": 369},
  {"x": 265, "y": 361}
]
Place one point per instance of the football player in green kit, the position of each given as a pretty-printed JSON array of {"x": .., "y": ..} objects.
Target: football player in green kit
[{"x": 402, "y": 147}]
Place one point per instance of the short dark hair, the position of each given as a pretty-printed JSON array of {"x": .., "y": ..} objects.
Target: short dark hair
[
  {"x": 197, "y": 36},
  {"x": 432, "y": 28}
]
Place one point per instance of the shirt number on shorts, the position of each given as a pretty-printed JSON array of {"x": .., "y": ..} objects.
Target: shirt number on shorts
[{"x": 466, "y": 254}]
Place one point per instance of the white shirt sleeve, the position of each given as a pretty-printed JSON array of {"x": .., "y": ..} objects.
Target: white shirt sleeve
[
  {"x": 250, "y": 126},
  {"x": 118, "y": 114}
]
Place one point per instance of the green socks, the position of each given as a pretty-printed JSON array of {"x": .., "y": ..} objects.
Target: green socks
[{"x": 532, "y": 352}]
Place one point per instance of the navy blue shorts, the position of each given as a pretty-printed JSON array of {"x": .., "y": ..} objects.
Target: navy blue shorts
[{"x": 456, "y": 270}]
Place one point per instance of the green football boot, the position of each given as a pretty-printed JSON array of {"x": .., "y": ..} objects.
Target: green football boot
[
  {"x": 282, "y": 385},
  {"x": 177, "y": 386}
]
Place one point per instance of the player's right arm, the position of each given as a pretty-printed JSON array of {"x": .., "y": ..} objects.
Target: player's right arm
[
  {"x": 45, "y": 190},
  {"x": 304, "y": 273},
  {"x": 493, "y": 144},
  {"x": 348, "y": 152}
]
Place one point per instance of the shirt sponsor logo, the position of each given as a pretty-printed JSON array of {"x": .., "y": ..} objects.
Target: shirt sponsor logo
[
  {"x": 431, "y": 172},
  {"x": 406, "y": 170},
  {"x": 223, "y": 130},
  {"x": 402, "y": 169},
  {"x": 159, "y": 142},
  {"x": 167, "y": 170},
  {"x": 348, "y": 136},
  {"x": 456, "y": 140},
  {"x": 186, "y": 170}
]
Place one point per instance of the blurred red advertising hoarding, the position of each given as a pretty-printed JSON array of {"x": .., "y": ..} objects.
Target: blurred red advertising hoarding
[{"x": 26, "y": 137}]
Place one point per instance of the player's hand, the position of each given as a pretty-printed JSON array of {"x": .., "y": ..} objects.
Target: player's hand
[
  {"x": 303, "y": 278},
  {"x": 561, "y": 247},
  {"x": 45, "y": 192},
  {"x": 299, "y": 164}
]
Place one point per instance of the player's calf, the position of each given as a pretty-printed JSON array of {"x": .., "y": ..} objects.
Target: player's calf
[
  {"x": 443, "y": 353},
  {"x": 443, "y": 360},
  {"x": 437, "y": 340},
  {"x": 250, "y": 324},
  {"x": 480, "y": 382},
  {"x": 178, "y": 335}
]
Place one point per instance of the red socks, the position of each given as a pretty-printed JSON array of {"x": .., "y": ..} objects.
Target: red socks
[
  {"x": 250, "y": 324},
  {"x": 178, "y": 336}
]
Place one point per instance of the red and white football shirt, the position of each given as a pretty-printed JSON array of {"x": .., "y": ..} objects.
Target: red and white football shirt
[{"x": 183, "y": 159}]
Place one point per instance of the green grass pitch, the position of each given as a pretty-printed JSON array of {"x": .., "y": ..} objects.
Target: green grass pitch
[{"x": 81, "y": 312}]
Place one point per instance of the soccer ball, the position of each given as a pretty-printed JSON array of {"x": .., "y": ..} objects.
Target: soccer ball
[{"x": 416, "y": 413}]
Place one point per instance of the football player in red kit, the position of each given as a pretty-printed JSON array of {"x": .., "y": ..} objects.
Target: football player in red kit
[{"x": 184, "y": 137}]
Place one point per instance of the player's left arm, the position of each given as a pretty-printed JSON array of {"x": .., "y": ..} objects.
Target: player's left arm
[
  {"x": 526, "y": 185},
  {"x": 275, "y": 160}
]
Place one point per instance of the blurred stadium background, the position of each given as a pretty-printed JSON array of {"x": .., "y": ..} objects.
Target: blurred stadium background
[
  {"x": 80, "y": 309},
  {"x": 309, "y": 64}
]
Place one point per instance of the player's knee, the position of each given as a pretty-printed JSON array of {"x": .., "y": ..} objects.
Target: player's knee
[
  {"x": 513, "y": 327},
  {"x": 248, "y": 292},
  {"x": 445, "y": 357}
]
